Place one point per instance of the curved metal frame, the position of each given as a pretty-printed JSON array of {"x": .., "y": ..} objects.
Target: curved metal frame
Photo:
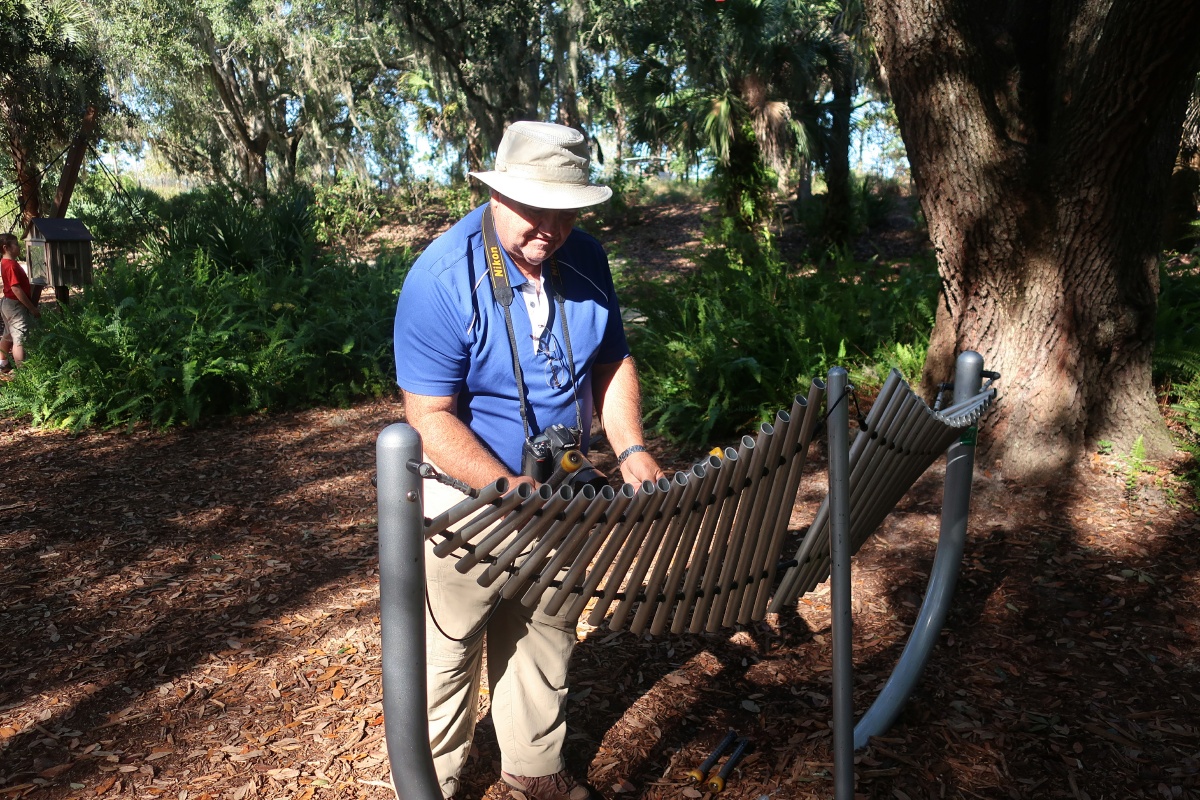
[
  {"x": 956, "y": 504},
  {"x": 402, "y": 613},
  {"x": 402, "y": 588}
]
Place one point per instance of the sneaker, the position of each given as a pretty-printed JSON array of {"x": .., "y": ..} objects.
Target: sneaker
[{"x": 559, "y": 786}]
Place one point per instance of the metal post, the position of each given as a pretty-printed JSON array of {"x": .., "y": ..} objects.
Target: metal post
[
  {"x": 838, "y": 427},
  {"x": 402, "y": 614},
  {"x": 956, "y": 503}
]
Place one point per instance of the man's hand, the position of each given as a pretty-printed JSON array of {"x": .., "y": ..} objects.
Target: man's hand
[{"x": 641, "y": 467}]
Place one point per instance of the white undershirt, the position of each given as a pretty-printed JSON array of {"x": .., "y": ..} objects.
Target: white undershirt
[{"x": 537, "y": 304}]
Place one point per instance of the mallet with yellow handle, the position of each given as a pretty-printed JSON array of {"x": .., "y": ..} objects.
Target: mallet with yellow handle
[
  {"x": 701, "y": 772},
  {"x": 717, "y": 782}
]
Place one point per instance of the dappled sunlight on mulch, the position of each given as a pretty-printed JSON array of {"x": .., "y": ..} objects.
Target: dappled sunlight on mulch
[{"x": 194, "y": 614}]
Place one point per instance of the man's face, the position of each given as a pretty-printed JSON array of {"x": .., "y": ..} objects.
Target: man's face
[{"x": 530, "y": 235}]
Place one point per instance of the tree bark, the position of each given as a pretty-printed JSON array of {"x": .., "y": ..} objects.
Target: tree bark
[
  {"x": 29, "y": 179},
  {"x": 838, "y": 227},
  {"x": 1041, "y": 138},
  {"x": 71, "y": 167}
]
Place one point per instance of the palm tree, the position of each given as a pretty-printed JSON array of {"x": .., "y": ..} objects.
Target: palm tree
[{"x": 724, "y": 79}]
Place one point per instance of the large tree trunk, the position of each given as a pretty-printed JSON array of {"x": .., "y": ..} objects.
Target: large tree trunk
[
  {"x": 1042, "y": 138},
  {"x": 838, "y": 226},
  {"x": 74, "y": 162},
  {"x": 29, "y": 179}
]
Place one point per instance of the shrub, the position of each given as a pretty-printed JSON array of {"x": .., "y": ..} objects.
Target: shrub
[
  {"x": 345, "y": 212},
  {"x": 230, "y": 310},
  {"x": 1177, "y": 351},
  {"x": 731, "y": 343}
]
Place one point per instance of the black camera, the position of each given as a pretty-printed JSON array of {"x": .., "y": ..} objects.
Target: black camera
[{"x": 554, "y": 457}]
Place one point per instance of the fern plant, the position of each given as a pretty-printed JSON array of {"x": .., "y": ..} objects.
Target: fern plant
[
  {"x": 731, "y": 343},
  {"x": 201, "y": 325}
]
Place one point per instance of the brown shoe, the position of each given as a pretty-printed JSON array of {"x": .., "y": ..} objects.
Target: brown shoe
[{"x": 559, "y": 786}]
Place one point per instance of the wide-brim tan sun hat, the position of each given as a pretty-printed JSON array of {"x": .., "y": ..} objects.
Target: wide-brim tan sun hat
[{"x": 544, "y": 165}]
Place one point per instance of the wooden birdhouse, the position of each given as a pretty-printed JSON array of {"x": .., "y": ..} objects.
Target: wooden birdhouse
[{"x": 59, "y": 252}]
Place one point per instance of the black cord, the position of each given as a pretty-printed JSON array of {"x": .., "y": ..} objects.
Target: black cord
[
  {"x": 849, "y": 392},
  {"x": 482, "y": 625}
]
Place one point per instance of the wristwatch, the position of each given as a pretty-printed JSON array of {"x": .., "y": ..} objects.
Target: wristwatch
[{"x": 628, "y": 451}]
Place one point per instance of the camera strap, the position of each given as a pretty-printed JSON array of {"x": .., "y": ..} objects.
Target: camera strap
[{"x": 504, "y": 296}]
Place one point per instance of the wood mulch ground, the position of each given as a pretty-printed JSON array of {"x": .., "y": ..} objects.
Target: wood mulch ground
[{"x": 194, "y": 614}]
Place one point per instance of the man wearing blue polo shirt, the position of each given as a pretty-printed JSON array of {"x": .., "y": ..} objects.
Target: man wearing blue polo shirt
[{"x": 455, "y": 339}]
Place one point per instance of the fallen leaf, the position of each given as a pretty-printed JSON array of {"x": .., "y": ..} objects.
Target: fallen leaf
[{"x": 55, "y": 771}]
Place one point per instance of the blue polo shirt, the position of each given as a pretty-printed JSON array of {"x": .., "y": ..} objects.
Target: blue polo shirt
[{"x": 451, "y": 338}]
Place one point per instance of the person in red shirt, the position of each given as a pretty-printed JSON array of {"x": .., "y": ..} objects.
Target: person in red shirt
[{"x": 17, "y": 307}]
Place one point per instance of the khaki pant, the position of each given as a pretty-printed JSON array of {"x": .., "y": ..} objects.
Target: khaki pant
[{"x": 527, "y": 655}]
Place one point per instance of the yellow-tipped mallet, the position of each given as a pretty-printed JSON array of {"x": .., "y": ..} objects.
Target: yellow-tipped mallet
[
  {"x": 701, "y": 772},
  {"x": 717, "y": 782}
]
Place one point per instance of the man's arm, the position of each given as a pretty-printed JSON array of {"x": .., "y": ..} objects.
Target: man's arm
[
  {"x": 450, "y": 443},
  {"x": 619, "y": 401}
]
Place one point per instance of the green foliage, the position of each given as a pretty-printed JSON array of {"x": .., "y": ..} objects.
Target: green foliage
[
  {"x": 345, "y": 212},
  {"x": 1177, "y": 352},
  {"x": 628, "y": 192},
  {"x": 209, "y": 320},
  {"x": 236, "y": 234},
  {"x": 117, "y": 220},
  {"x": 1135, "y": 465},
  {"x": 872, "y": 200},
  {"x": 731, "y": 343}
]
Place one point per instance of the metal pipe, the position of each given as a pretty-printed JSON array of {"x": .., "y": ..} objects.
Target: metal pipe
[
  {"x": 797, "y": 580},
  {"x": 568, "y": 549},
  {"x": 720, "y": 539},
  {"x": 595, "y": 540},
  {"x": 745, "y": 509},
  {"x": 516, "y": 521},
  {"x": 813, "y": 564},
  {"x": 700, "y": 557},
  {"x": 750, "y": 568},
  {"x": 648, "y": 547},
  {"x": 665, "y": 552},
  {"x": 842, "y": 622},
  {"x": 481, "y": 522},
  {"x": 466, "y": 506},
  {"x": 810, "y": 407},
  {"x": 665, "y": 500},
  {"x": 612, "y": 547},
  {"x": 402, "y": 613},
  {"x": 543, "y": 551},
  {"x": 956, "y": 502},
  {"x": 527, "y": 535},
  {"x": 683, "y": 553}
]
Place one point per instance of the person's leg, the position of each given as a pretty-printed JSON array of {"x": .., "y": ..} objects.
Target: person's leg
[
  {"x": 528, "y": 653},
  {"x": 6, "y": 342},
  {"x": 16, "y": 325},
  {"x": 454, "y": 621},
  {"x": 455, "y": 618}
]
